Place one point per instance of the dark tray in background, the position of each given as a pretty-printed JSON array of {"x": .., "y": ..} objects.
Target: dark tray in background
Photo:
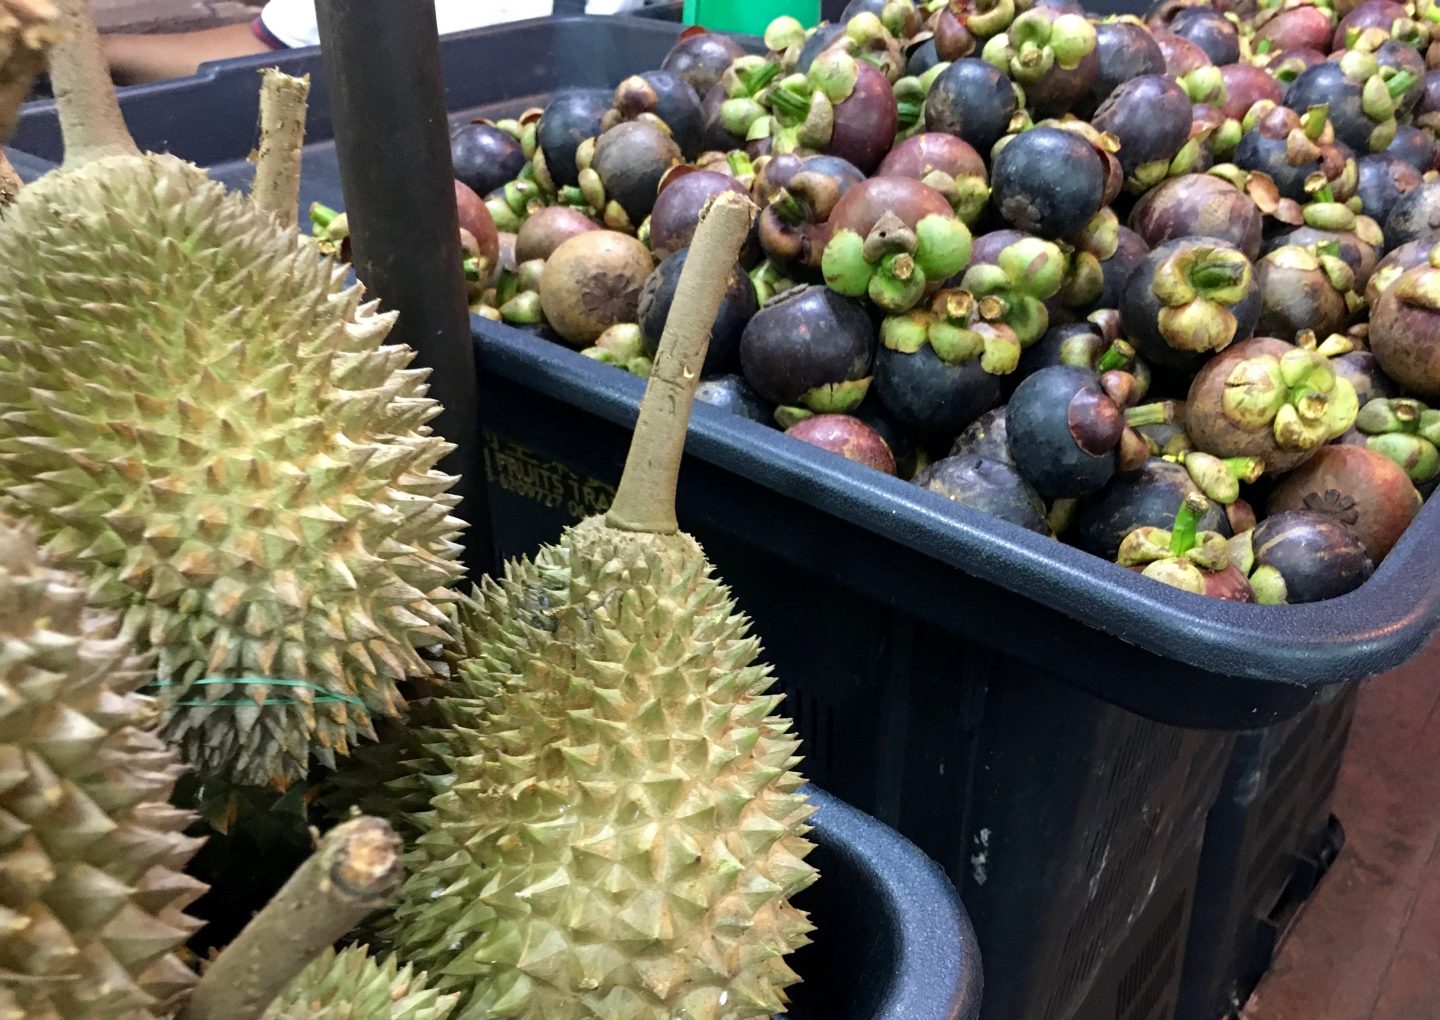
[
  {"x": 1044, "y": 725},
  {"x": 1269, "y": 839}
]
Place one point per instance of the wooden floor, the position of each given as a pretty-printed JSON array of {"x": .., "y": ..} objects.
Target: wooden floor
[{"x": 1367, "y": 946}]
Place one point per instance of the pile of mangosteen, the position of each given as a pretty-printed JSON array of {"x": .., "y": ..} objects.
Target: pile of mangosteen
[{"x": 1165, "y": 288}]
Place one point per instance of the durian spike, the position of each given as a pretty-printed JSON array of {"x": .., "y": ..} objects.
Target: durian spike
[
  {"x": 645, "y": 499},
  {"x": 283, "y": 101},
  {"x": 354, "y": 871},
  {"x": 28, "y": 28},
  {"x": 90, "y": 119}
]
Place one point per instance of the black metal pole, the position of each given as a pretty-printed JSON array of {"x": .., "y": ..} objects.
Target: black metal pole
[{"x": 387, "y": 99}]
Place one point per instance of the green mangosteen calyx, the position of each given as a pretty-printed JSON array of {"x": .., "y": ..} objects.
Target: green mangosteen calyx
[
  {"x": 1219, "y": 478},
  {"x": 1037, "y": 42},
  {"x": 1405, "y": 431},
  {"x": 1298, "y": 395},
  {"x": 1196, "y": 288},
  {"x": 1023, "y": 276},
  {"x": 1180, "y": 556},
  {"x": 894, "y": 264},
  {"x": 955, "y": 330}
]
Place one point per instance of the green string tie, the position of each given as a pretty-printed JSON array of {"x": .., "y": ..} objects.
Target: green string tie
[{"x": 325, "y": 696}]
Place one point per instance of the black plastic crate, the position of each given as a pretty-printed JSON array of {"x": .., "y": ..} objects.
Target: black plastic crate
[
  {"x": 1046, "y": 726},
  {"x": 1269, "y": 839}
]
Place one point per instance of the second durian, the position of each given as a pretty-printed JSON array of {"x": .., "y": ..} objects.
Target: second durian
[{"x": 624, "y": 829}]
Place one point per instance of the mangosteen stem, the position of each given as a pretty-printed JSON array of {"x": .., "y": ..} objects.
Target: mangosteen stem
[
  {"x": 1116, "y": 358},
  {"x": 1397, "y": 85},
  {"x": 1246, "y": 469},
  {"x": 1161, "y": 412},
  {"x": 1209, "y": 276},
  {"x": 1187, "y": 523},
  {"x": 90, "y": 119},
  {"x": 322, "y": 215},
  {"x": 276, "y": 188},
  {"x": 645, "y": 499}
]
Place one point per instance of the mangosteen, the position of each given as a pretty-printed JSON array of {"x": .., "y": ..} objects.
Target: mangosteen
[
  {"x": 701, "y": 58},
  {"x": 1301, "y": 556},
  {"x": 973, "y": 101},
  {"x": 663, "y": 95},
  {"x": 479, "y": 238},
  {"x": 571, "y": 117},
  {"x": 1383, "y": 179},
  {"x": 900, "y": 18},
  {"x": 861, "y": 116},
  {"x": 946, "y": 163},
  {"x": 1287, "y": 65},
  {"x": 1361, "y": 102},
  {"x": 624, "y": 173},
  {"x": 910, "y": 455},
  {"x": 1090, "y": 344},
  {"x": 894, "y": 239},
  {"x": 1051, "y": 55},
  {"x": 937, "y": 372},
  {"x": 801, "y": 195},
  {"x": 1063, "y": 431},
  {"x": 1398, "y": 260},
  {"x": 1268, "y": 399},
  {"x": 984, "y": 437},
  {"x": 732, "y": 393},
  {"x": 991, "y": 487},
  {"x": 1362, "y": 370},
  {"x": 1407, "y": 432},
  {"x": 1146, "y": 497},
  {"x": 1181, "y": 55},
  {"x": 1303, "y": 288},
  {"x": 1415, "y": 147},
  {"x": 1382, "y": 14},
  {"x": 1244, "y": 86},
  {"x": 485, "y": 157},
  {"x": 1396, "y": 56},
  {"x": 546, "y": 229},
  {"x": 1414, "y": 215},
  {"x": 1199, "y": 205},
  {"x": 1405, "y": 329},
  {"x": 1362, "y": 489},
  {"x": 737, "y": 307},
  {"x": 847, "y": 436},
  {"x": 1031, "y": 196},
  {"x": 811, "y": 347},
  {"x": 1359, "y": 246},
  {"x": 1187, "y": 299},
  {"x": 1211, "y": 31},
  {"x": 1150, "y": 115},
  {"x": 1130, "y": 251},
  {"x": 1290, "y": 149},
  {"x": 1303, "y": 26},
  {"x": 817, "y": 42},
  {"x": 677, "y": 208},
  {"x": 1126, "y": 51},
  {"x": 922, "y": 58},
  {"x": 591, "y": 282},
  {"x": 1184, "y": 556}
]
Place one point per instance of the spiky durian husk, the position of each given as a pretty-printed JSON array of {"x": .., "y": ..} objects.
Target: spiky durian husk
[
  {"x": 92, "y": 890},
  {"x": 624, "y": 828},
  {"x": 204, "y": 418},
  {"x": 353, "y": 985}
]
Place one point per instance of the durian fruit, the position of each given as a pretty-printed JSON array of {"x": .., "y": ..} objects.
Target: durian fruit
[
  {"x": 202, "y": 416},
  {"x": 624, "y": 828},
  {"x": 353, "y": 985},
  {"x": 92, "y": 887}
]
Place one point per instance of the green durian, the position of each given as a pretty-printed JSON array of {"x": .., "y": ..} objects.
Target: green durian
[
  {"x": 206, "y": 420},
  {"x": 623, "y": 827},
  {"x": 353, "y": 985},
  {"x": 92, "y": 855}
]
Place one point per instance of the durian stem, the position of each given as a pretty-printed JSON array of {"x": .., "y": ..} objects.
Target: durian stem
[
  {"x": 10, "y": 183},
  {"x": 645, "y": 499},
  {"x": 283, "y": 101},
  {"x": 353, "y": 872},
  {"x": 28, "y": 28},
  {"x": 89, "y": 113}
]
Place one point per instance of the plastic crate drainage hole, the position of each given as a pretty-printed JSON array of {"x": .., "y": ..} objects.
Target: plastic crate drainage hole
[{"x": 1142, "y": 989}]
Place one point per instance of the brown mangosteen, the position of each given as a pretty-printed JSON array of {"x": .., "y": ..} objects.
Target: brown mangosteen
[
  {"x": 1362, "y": 489},
  {"x": 591, "y": 282},
  {"x": 1405, "y": 329},
  {"x": 546, "y": 229},
  {"x": 849, "y": 437}
]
